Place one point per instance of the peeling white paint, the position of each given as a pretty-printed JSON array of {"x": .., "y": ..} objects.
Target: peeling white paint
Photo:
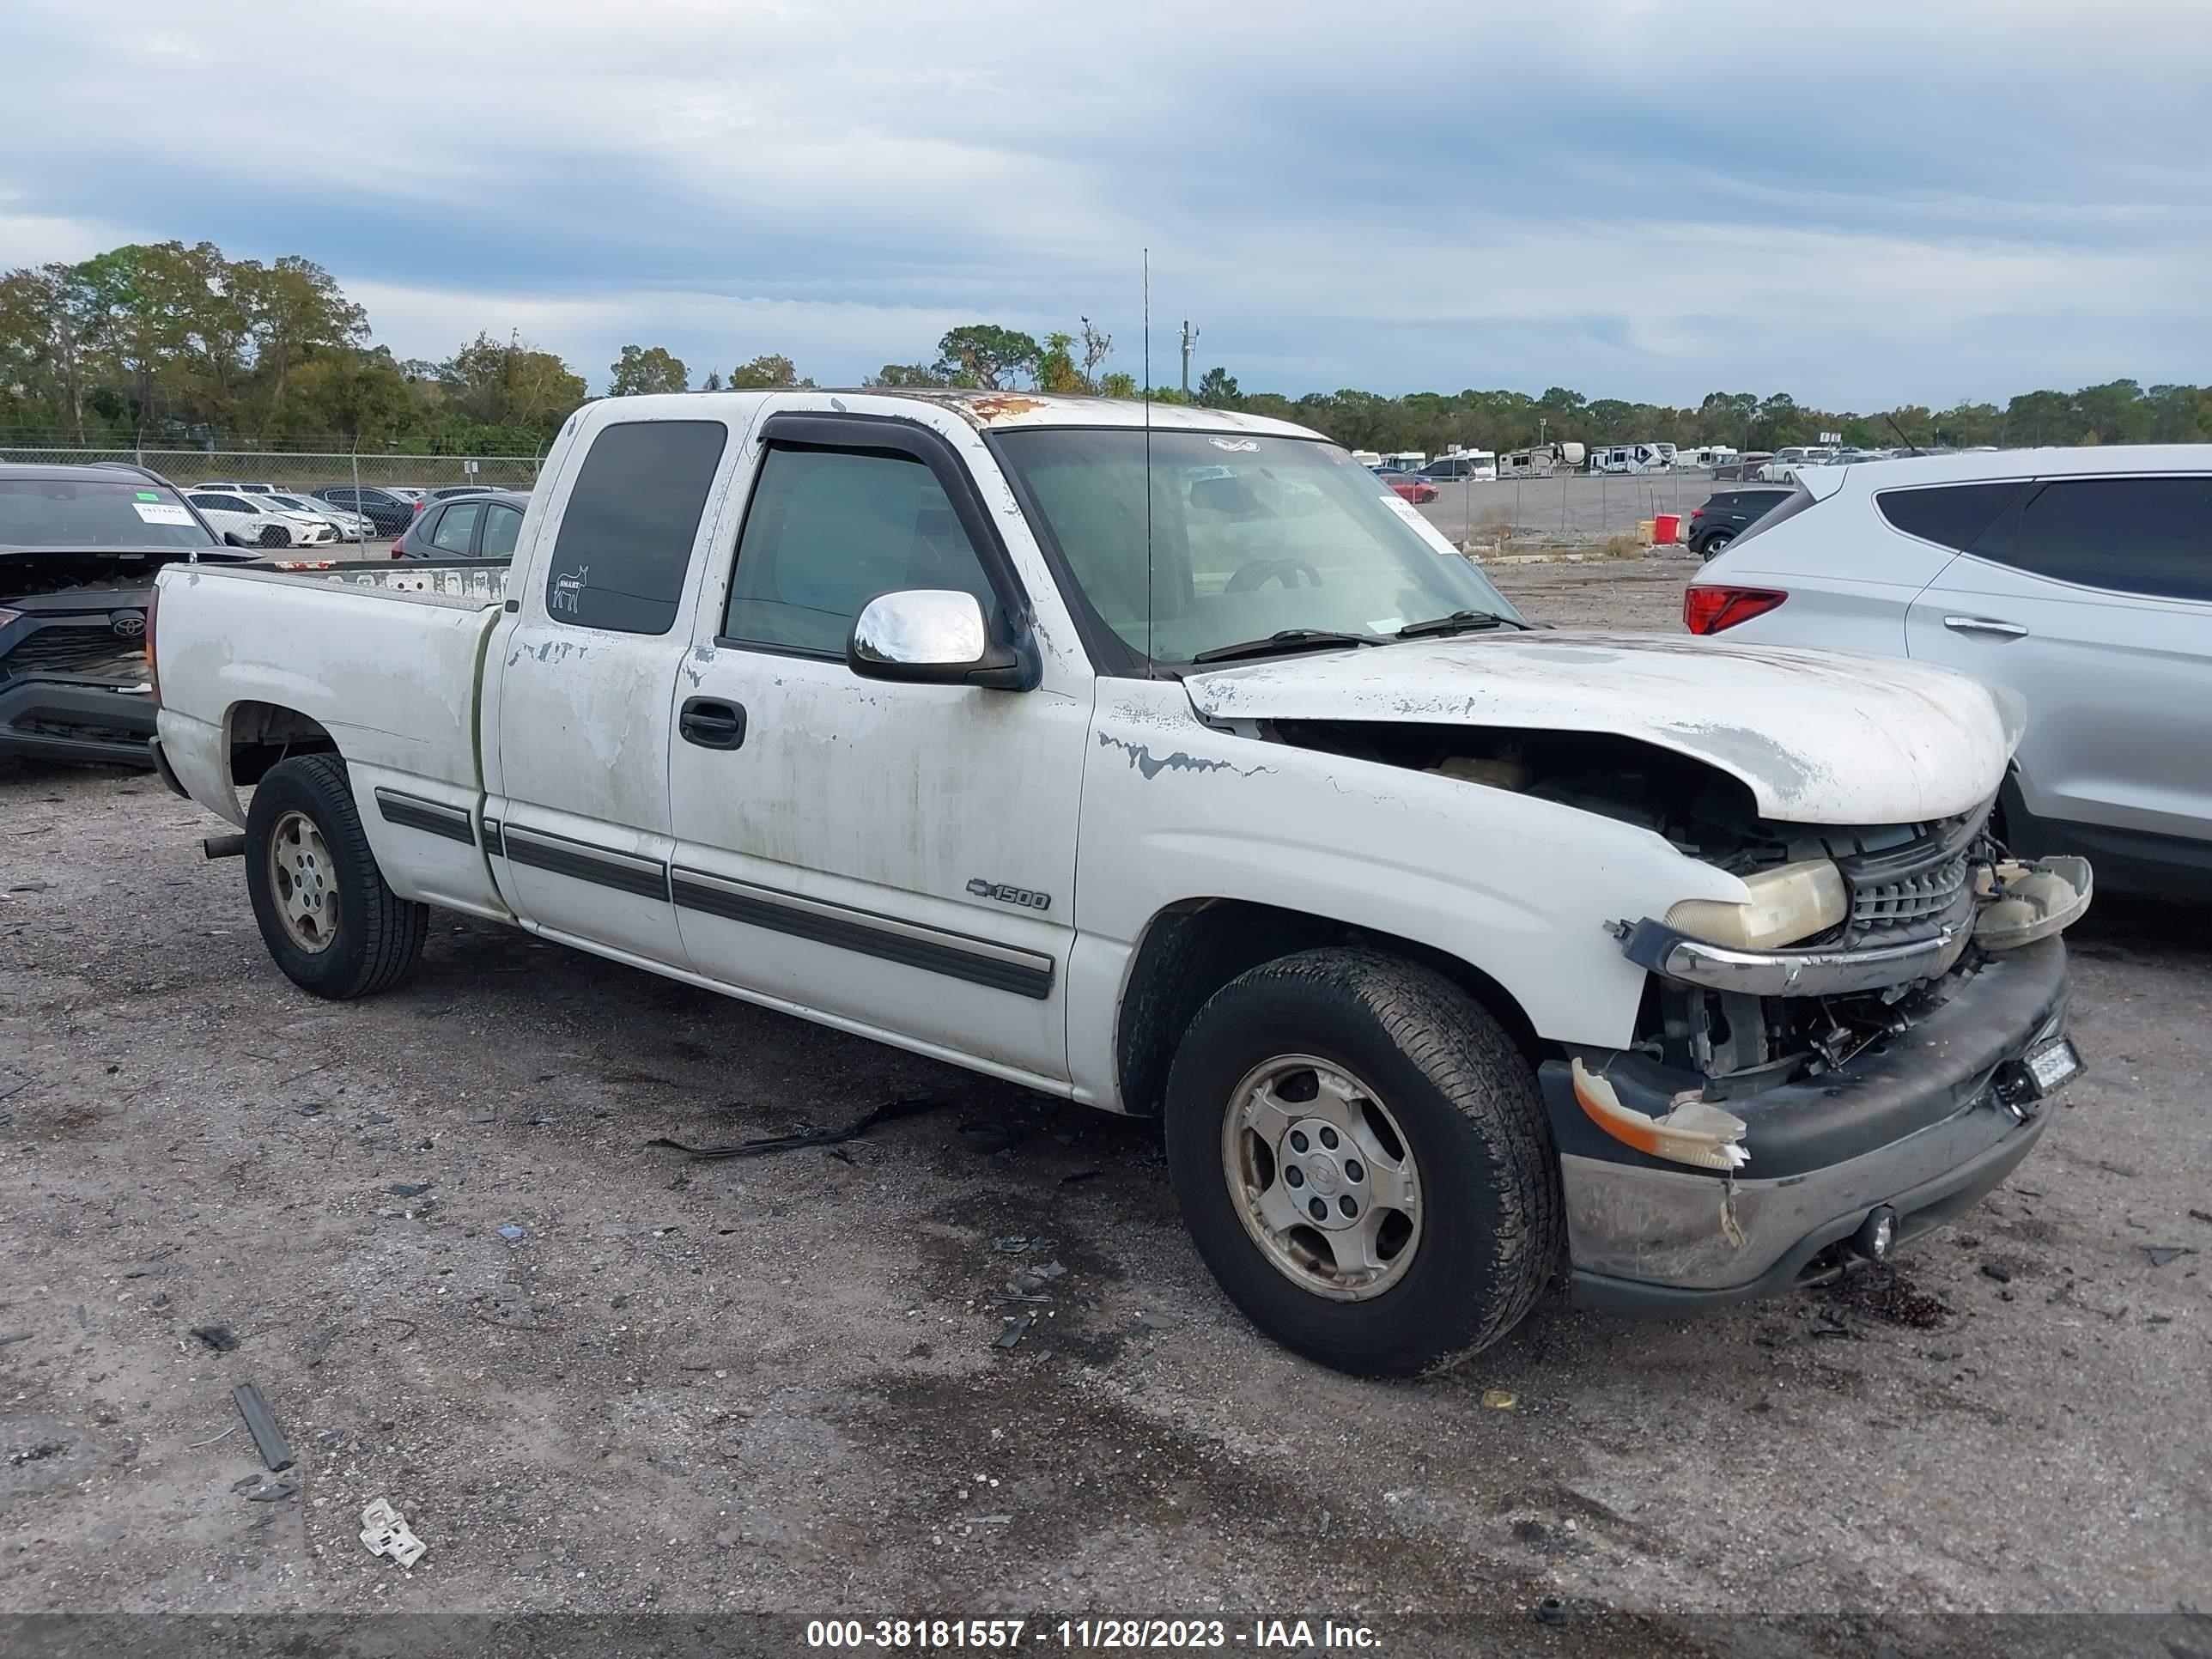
[{"x": 1820, "y": 736}]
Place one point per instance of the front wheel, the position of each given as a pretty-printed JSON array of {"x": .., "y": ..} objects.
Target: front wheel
[
  {"x": 325, "y": 910},
  {"x": 1379, "y": 1191}
]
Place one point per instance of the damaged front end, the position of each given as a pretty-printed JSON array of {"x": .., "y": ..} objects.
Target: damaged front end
[{"x": 1853, "y": 1055}]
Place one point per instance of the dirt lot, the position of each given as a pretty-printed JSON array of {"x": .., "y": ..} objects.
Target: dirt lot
[{"x": 771, "y": 1384}]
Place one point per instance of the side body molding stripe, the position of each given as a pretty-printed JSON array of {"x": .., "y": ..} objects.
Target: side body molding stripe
[{"x": 980, "y": 962}]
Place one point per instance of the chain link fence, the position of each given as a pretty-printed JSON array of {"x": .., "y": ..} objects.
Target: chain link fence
[
  {"x": 1566, "y": 511},
  {"x": 299, "y": 471}
]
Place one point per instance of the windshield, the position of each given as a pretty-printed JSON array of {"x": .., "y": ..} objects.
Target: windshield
[
  {"x": 294, "y": 504},
  {"x": 83, "y": 514},
  {"x": 1250, "y": 536}
]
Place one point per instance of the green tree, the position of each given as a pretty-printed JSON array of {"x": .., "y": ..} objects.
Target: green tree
[
  {"x": 292, "y": 307},
  {"x": 906, "y": 374},
  {"x": 359, "y": 395},
  {"x": 1218, "y": 388},
  {"x": 766, "y": 374},
  {"x": 45, "y": 318},
  {"x": 986, "y": 356},
  {"x": 1055, "y": 367},
  {"x": 510, "y": 384},
  {"x": 647, "y": 368}
]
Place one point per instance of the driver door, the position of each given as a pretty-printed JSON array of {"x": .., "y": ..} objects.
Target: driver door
[{"x": 898, "y": 859}]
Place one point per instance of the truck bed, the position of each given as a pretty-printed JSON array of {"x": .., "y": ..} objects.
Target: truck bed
[{"x": 386, "y": 658}]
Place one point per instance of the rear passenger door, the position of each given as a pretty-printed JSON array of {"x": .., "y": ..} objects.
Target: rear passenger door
[
  {"x": 2093, "y": 599},
  {"x": 584, "y": 677},
  {"x": 453, "y": 535}
]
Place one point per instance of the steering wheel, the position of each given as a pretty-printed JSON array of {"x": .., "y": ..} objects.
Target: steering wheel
[{"x": 1259, "y": 572}]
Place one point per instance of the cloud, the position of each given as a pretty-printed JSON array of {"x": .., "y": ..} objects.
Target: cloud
[{"x": 1899, "y": 201}]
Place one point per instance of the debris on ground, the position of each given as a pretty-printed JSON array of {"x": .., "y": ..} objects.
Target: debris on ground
[
  {"x": 14, "y": 1336},
  {"x": 1998, "y": 1271},
  {"x": 813, "y": 1136},
  {"x": 318, "y": 1345},
  {"x": 1881, "y": 1292},
  {"x": 221, "y": 1338},
  {"x": 1015, "y": 1245},
  {"x": 513, "y": 1234},
  {"x": 275, "y": 1492},
  {"x": 1148, "y": 1321},
  {"x": 1012, "y": 1329},
  {"x": 385, "y": 1530},
  {"x": 2159, "y": 1254},
  {"x": 408, "y": 1189},
  {"x": 1550, "y": 1610},
  {"x": 1500, "y": 1400},
  {"x": 990, "y": 1521},
  {"x": 261, "y": 1424},
  {"x": 1080, "y": 1175}
]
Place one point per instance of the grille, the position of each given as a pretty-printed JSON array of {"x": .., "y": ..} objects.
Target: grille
[
  {"x": 80, "y": 650},
  {"x": 1890, "y": 905},
  {"x": 1904, "y": 891}
]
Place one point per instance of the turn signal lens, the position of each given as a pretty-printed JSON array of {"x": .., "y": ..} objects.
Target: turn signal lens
[
  {"x": 1792, "y": 903},
  {"x": 1707, "y": 608}
]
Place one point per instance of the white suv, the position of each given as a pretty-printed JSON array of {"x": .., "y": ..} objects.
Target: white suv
[{"x": 2081, "y": 579}]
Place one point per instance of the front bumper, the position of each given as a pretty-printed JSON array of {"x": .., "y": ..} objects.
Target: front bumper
[
  {"x": 79, "y": 719},
  {"x": 1661, "y": 948},
  {"x": 1918, "y": 1126}
]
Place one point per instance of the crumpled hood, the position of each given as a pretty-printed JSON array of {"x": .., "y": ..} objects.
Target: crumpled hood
[{"x": 1820, "y": 737}]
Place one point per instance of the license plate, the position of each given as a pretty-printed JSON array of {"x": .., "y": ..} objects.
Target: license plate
[{"x": 2053, "y": 1064}]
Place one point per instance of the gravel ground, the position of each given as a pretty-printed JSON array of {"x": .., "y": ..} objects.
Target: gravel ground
[
  {"x": 1571, "y": 510},
  {"x": 771, "y": 1384}
]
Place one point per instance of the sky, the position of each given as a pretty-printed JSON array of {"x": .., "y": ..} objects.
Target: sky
[{"x": 1892, "y": 201}]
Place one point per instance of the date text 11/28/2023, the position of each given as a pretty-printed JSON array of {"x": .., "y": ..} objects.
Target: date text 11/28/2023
[{"x": 952, "y": 1635}]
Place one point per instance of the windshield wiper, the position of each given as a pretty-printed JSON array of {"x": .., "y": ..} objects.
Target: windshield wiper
[
  {"x": 1283, "y": 640},
  {"x": 1460, "y": 622}
]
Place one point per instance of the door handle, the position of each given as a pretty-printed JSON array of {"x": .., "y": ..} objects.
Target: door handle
[
  {"x": 712, "y": 723},
  {"x": 2010, "y": 630}
]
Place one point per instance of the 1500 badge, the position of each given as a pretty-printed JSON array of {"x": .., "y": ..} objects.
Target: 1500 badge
[{"x": 1006, "y": 895}]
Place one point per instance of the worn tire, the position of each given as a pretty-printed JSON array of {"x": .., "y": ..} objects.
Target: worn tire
[
  {"x": 1492, "y": 1226},
  {"x": 379, "y": 936}
]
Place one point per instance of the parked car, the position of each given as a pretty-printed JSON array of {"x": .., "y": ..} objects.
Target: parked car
[
  {"x": 1728, "y": 513},
  {"x": 79, "y": 546},
  {"x": 1411, "y": 486},
  {"x": 350, "y": 526},
  {"x": 2079, "y": 580},
  {"x": 1450, "y": 949},
  {"x": 257, "y": 521},
  {"x": 388, "y": 510},
  {"x": 239, "y": 489},
  {"x": 446, "y": 492},
  {"x": 484, "y": 526},
  {"x": 1479, "y": 464}
]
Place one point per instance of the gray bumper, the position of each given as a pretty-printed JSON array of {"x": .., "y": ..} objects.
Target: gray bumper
[{"x": 1919, "y": 1126}]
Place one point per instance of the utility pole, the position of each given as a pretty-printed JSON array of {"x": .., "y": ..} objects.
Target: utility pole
[{"x": 1189, "y": 343}]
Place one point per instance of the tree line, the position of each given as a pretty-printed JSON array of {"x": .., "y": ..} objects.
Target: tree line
[{"x": 167, "y": 346}]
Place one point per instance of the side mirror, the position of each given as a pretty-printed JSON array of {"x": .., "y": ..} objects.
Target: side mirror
[{"x": 935, "y": 636}]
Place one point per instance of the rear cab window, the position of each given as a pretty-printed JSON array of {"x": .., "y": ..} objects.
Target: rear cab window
[{"x": 627, "y": 531}]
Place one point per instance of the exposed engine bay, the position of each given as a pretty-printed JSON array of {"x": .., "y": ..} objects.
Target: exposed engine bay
[{"x": 1868, "y": 887}]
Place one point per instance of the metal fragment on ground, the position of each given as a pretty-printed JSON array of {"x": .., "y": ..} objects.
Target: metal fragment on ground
[
  {"x": 261, "y": 1424},
  {"x": 1011, "y": 1330},
  {"x": 385, "y": 1530}
]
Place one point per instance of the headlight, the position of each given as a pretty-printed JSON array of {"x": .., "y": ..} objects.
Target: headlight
[{"x": 1787, "y": 904}]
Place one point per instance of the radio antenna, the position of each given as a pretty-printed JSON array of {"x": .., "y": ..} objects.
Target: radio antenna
[{"x": 1150, "y": 666}]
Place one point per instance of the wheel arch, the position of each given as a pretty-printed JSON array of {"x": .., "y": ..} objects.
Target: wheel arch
[
  {"x": 258, "y": 735},
  {"x": 1192, "y": 948}
]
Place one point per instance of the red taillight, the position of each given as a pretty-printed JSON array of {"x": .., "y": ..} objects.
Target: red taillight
[
  {"x": 1695, "y": 514},
  {"x": 1707, "y": 609}
]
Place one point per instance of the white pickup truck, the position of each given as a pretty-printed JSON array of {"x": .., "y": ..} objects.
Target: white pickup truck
[{"x": 1177, "y": 767}]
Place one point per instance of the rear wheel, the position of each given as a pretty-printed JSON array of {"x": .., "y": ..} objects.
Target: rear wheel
[
  {"x": 328, "y": 917},
  {"x": 1378, "y": 1192},
  {"x": 1716, "y": 542}
]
